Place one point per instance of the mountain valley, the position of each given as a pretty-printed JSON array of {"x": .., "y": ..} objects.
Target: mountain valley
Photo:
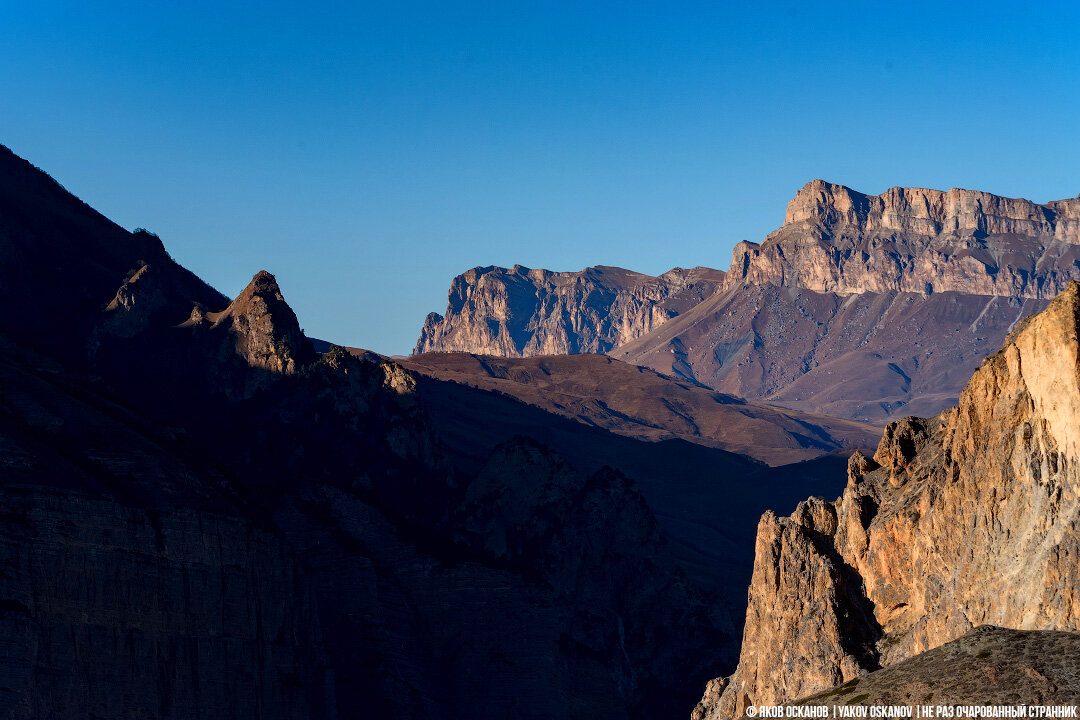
[
  {"x": 555, "y": 507},
  {"x": 859, "y": 306}
]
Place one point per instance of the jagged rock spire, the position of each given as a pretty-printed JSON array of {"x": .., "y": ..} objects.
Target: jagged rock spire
[{"x": 266, "y": 330}]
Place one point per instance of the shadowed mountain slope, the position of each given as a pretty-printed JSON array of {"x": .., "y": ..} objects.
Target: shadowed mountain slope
[
  {"x": 639, "y": 402},
  {"x": 200, "y": 515},
  {"x": 683, "y": 482},
  {"x": 61, "y": 262}
]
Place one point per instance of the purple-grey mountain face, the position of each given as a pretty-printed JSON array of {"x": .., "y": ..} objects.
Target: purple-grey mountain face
[
  {"x": 916, "y": 240},
  {"x": 519, "y": 312},
  {"x": 866, "y": 307},
  {"x": 866, "y": 356}
]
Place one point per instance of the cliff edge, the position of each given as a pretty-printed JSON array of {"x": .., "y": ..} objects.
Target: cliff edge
[
  {"x": 835, "y": 239},
  {"x": 522, "y": 312},
  {"x": 962, "y": 520}
]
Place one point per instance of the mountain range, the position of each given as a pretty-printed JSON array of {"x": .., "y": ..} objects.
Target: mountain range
[{"x": 868, "y": 307}]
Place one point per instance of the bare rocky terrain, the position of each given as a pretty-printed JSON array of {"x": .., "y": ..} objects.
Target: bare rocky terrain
[
  {"x": 869, "y": 307},
  {"x": 869, "y": 357},
  {"x": 965, "y": 519},
  {"x": 835, "y": 239}
]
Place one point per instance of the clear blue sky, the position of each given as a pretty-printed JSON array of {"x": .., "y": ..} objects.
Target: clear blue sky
[{"x": 366, "y": 155}]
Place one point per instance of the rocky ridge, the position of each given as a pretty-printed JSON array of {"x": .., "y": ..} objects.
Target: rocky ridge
[
  {"x": 56, "y": 252},
  {"x": 966, "y": 519}
]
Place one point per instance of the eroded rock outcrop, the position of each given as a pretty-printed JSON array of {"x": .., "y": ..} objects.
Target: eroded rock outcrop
[
  {"x": 265, "y": 328},
  {"x": 962, "y": 520},
  {"x": 519, "y": 312},
  {"x": 235, "y": 349}
]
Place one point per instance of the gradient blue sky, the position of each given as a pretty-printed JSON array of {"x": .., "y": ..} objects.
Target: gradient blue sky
[{"x": 367, "y": 154}]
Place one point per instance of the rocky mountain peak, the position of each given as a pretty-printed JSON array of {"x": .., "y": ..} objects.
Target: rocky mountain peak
[
  {"x": 265, "y": 328},
  {"x": 827, "y": 203},
  {"x": 797, "y": 318}
]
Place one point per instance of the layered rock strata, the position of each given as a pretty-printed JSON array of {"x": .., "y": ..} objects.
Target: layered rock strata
[
  {"x": 966, "y": 519},
  {"x": 835, "y": 239}
]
